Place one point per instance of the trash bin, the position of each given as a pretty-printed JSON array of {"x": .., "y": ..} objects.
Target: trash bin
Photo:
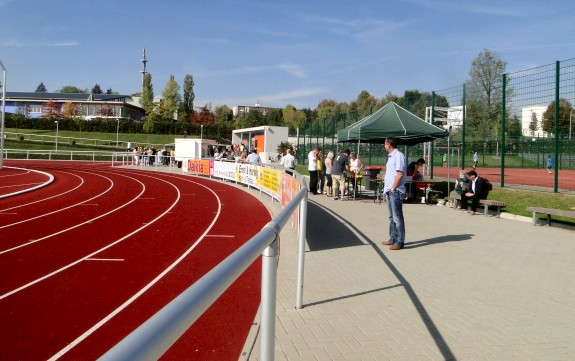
[{"x": 370, "y": 172}]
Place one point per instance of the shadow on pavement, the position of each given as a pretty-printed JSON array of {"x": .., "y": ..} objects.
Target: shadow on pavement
[
  {"x": 326, "y": 230},
  {"x": 342, "y": 233},
  {"x": 437, "y": 240}
]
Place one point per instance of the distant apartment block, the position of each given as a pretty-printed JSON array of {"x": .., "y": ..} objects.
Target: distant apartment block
[{"x": 241, "y": 110}]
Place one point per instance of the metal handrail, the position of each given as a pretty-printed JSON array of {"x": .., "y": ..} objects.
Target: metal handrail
[{"x": 155, "y": 336}]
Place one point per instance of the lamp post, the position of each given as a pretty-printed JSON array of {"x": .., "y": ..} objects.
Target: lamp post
[
  {"x": 3, "y": 113},
  {"x": 56, "y": 135},
  {"x": 117, "y": 131}
]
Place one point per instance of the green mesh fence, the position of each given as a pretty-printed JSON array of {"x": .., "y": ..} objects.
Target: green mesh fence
[{"x": 527, "y": 119}]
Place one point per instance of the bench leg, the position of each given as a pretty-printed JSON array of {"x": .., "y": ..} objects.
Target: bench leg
[
  {"x": 549, "y": 220},
  {"x": 498, "y": 212},
  {"x": 485, "y": 210},
  {"x": 535, "y": 221}
]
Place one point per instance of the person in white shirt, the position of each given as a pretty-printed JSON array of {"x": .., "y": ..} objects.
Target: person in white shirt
[
  {"x": 288, "y": 161},
  {"x": 312, "y": 169}
]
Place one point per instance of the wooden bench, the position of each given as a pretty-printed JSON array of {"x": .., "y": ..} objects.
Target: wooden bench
[
  {"x": 486, "y": 203},
  {"x": 549, "y": 212}
]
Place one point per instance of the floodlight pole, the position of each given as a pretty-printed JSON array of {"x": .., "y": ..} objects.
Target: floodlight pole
[
  {"x": 117, "y": 132},
  {"x": 3, "y": 113}
]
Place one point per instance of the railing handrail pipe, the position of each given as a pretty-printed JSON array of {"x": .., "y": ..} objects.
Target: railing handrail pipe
[{"x": 155, "y": 336}]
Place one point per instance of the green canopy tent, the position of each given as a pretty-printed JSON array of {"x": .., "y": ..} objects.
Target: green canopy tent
[{"x": 391, "y": 121}]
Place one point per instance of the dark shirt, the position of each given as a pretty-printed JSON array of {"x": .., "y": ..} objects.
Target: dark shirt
[
  {"x": 339, "y": 164},
  {"x": 481, "y": 191}
]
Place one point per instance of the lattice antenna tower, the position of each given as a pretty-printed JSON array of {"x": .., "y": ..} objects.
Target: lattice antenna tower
[{"x": 144, "y": 61}]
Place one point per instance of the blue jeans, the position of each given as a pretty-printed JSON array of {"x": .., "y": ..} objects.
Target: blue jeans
[{"x": 396, "y": 223}]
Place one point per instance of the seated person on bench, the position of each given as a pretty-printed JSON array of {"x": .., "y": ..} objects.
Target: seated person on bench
[
  {"x": 462, "y": 185},
  {"x": 478, "y": 191},
  {"x": 415, "y": 174}
]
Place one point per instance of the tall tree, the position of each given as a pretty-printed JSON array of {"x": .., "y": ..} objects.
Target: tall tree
[
  {"x": 187, "y": 106},
  {"x": 534, "y": 124},
  {"x": 41, "y": 88},
  {"x": 171, "y": 99},
  {"x": 485, "y": 91},
  {"x": 96, "y": 89},
  {"x": 486, "y": 71},
  {"x": 147, "y": 99},
  {"x": 274, "y": 117},
  {"x": 293, "y": 117},
  {"x": 223, "y": 114},
  {"x": 548, "y": 121}
]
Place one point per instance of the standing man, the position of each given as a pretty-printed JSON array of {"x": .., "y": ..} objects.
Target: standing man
[
  {"x": 288, "y": 161},
  {"x": 312, "y": 169},
  {"x": 394, "y": 190},
  {"x": 340, "y": 165}
]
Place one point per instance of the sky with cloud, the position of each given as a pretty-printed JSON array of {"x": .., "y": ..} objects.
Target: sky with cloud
[{"x": 275, "y": 53}]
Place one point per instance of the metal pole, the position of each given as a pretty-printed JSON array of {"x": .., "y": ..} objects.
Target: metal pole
[
  {"x": 268, "y": 299},
  {"x": 570, "y": 114},
  {"x": 503, "y": 116},
  {"x": 301, "y": 250},
  {"x": 56, "y": 135},
  {"x": 556, "y": 128},
  {"x": 3, "y": 113},
  {"x": 117, "y": 132}
]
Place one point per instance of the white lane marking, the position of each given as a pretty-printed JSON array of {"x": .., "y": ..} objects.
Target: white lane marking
[
  {"x": 21, "y": 185},
  {"x": 149, "y": 285},
  {"x": 63, "y": 209},
  {"x": 220, "y": 236},
  {"x": 106, "y": 259},
  {"x": 79, "y": 224},
  {"x": 54, "y": 196}
]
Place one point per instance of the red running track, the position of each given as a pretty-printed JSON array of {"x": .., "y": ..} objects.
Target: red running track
[
  {"x": 87, "y": 259},
  {"x": 518, "y": 176}
]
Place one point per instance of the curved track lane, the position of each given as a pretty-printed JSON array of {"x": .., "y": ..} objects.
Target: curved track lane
[{"x": 110, "y": 251}]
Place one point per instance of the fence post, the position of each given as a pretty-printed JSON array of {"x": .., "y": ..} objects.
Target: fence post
[
  {"x": 556, "y": 130},
  {"x": 268, "y": 299},
  {"x": 301, "y": 250},
  {"x": 503, "y": 94}
]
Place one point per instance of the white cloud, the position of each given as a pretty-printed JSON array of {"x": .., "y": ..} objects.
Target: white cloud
[{"x": 20, "y": 44}]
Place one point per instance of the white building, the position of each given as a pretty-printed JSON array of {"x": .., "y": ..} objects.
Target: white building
[{"x": 526, "y": 117}]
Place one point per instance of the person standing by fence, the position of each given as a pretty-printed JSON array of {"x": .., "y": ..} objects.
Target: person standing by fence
[{"x": 549, "y": 163}]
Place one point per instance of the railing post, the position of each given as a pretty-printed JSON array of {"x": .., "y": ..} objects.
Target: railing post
[
  {"x": 301, "y": 250},
  {"x": 268, "y": 299}
]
